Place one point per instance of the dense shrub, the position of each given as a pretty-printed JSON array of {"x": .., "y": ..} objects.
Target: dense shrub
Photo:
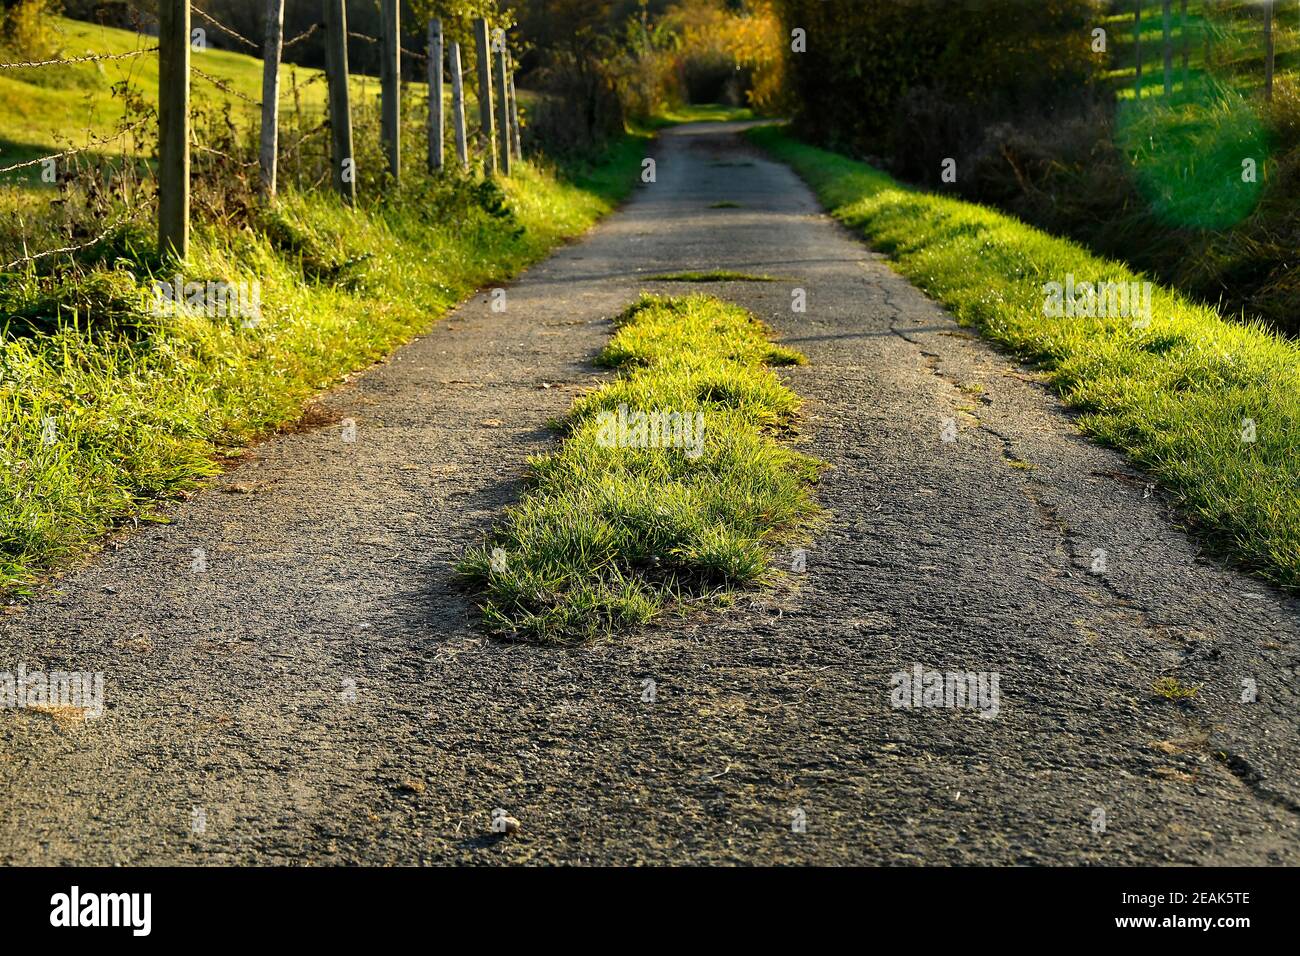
[
  {"x": 896, "y": 79},
  {"x": 581, "y": 109},
  {"x": 26, "y": 28},
  {"x": 731, "y": 53},
  {"x": 650, "y": 57}
]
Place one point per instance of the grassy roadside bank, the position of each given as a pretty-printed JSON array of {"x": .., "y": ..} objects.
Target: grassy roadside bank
[
  {"x": 1209, "y": 407},
  {"x": 670, "y": 485},
  {"x": 108, "y": 406}
]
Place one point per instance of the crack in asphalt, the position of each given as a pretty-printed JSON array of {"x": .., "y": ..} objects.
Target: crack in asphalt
[{"x": 1253, "y": 779}]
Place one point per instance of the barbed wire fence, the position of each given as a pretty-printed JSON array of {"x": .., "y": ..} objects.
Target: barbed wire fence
[
  {"x": 49, "y": 162},
  {"x": 178, "y": 39}
]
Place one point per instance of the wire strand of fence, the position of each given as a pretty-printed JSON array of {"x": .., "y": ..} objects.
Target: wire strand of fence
[
  {"x": 301, "y": 36},
  {"x": 224, "y": 155},
  {"x": 314, "y": 131},
  {"x": 88, "y": 58},
  {"x": 221, "y": 84},
  {"x": 8, "y": 266},
  {"x": 224, "y": 86},
  {"x": 75, "y": 149},
  {"x": 249, "y": 43},
  {"x": 227, "y": 30},
  {"x": 369, "y": 39}
]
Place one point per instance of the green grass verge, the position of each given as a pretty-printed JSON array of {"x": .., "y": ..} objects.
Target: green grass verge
[
  {"x": 105, "y": 408},
  {"x": 610, "y": 532},
  {"x": 1177, "y": 396}
]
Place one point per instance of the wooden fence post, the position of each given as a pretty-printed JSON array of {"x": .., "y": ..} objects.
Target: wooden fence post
[
  {"x": 487, "y": 132},
  {"x": 1137, "y": 48},
  {"x": 1169, "y": 50},
  {"x": 1268, "y": 49},
  {"x": 1208, "y": 31},
  {"x": 458, "y": 104},
  {"x": 435, "y": 95},
  {"x": 390, "y": 76},
  {"x": 271, "y": 93},
  {"x": 503, "y": 101},
  {"x": 514, "y": 115},
  {"x": 1187, "y": 40},
  {"x": 174, "y": 127},
  {"x": 336, "y": 67}
]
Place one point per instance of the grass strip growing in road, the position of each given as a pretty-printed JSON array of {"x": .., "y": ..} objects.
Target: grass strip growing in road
[
  {"x": 716, "y": 275},
  {"x": 671, "y": 485},
  {"x": 1209, "y": 407}
]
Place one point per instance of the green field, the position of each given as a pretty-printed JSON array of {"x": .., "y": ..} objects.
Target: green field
[
  {"x": 48, "y": 109},
  {"x": 1225, "y": 39}
]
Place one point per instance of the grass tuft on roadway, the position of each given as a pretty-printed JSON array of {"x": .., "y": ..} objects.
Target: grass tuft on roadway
[
  {"x": 1211, "y": 408},
  {"x": 613, "y": 531},
  {"x": 716, "y": 275}
]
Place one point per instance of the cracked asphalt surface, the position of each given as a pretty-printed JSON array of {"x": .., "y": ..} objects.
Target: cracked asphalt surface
[{"x": 322, "y": 692}]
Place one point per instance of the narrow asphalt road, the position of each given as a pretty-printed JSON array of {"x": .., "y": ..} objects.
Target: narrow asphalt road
[{"x": 321, "y": 693}]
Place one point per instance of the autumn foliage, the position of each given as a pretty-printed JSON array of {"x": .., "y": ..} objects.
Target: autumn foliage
[{"x": 704, "y": 51}]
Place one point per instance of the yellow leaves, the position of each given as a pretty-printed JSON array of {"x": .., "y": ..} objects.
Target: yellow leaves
[{"x": 752, "y": 39}]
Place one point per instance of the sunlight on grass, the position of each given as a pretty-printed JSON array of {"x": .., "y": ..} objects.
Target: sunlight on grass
[
  {"x": 96, "y": 423},
  {"x": 702, "y": 113},
  {"x": 1210, "y": 407},
  {"x": 35, "y": 103},
  {"x": 1187, "y": 153},
  {"x": 714, "y": 275},
  {"x": 610, "y": 532},
  {"x": 37, "y": 107}
]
